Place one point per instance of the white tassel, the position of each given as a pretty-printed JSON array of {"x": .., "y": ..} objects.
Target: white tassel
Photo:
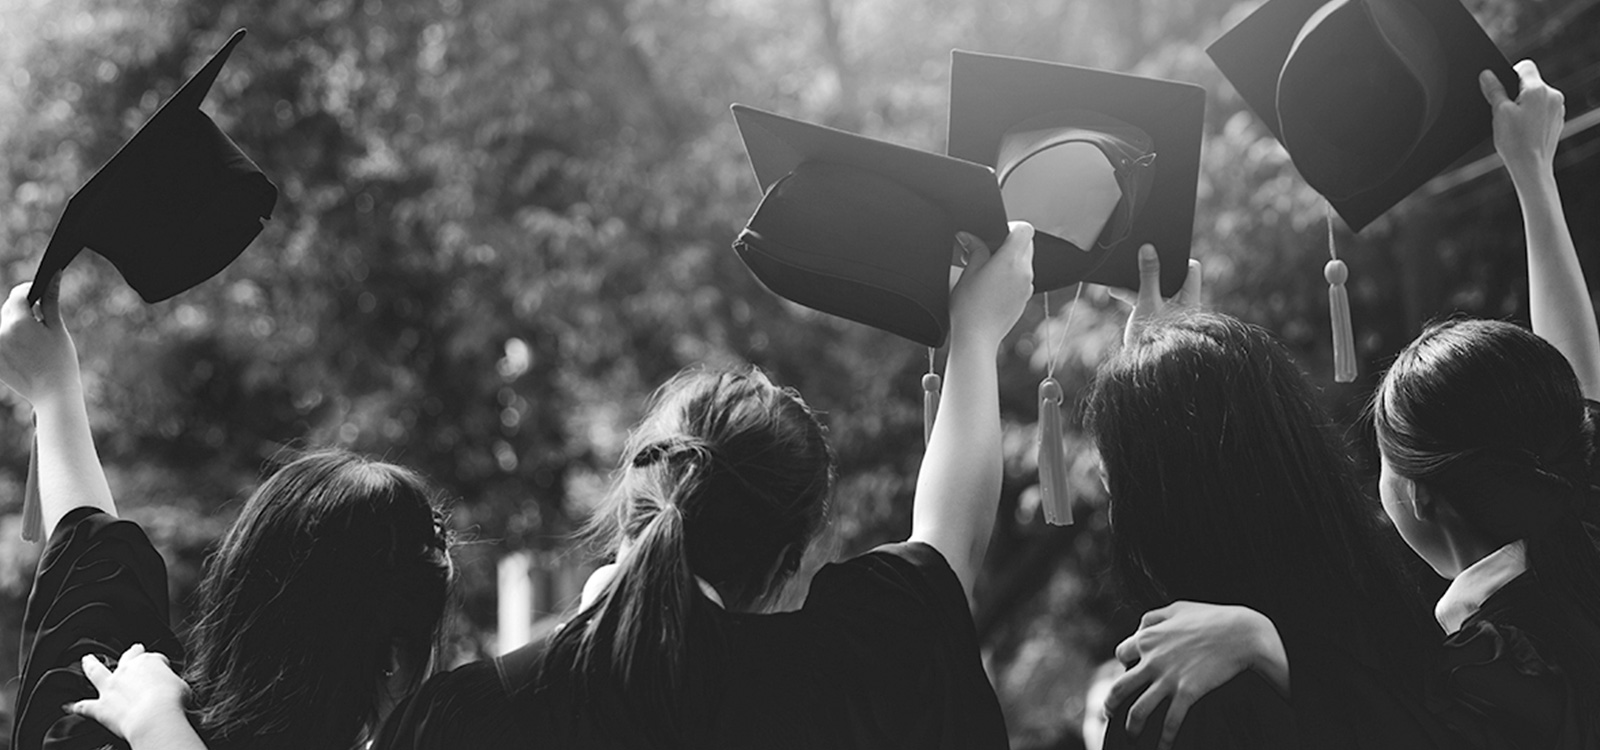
[
  {"x": 1344, "y": 340},
  {"x": 1056, "y": 496},
  {"x": 32, "y": 510},
  {"x": 930, "y": 404}
]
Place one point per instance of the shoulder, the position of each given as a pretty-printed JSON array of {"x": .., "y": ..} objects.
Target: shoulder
[
  {"x": 1245, "y": 712},
  {"x": 1350, "y": 693},
  {"x": 100, "y": 587},
  {"x": 893, "y": 627},
  {"x": 458, "y": 708},
  {"x": 86, "y": 536},
  {"x": 1500, "y": 676},
  {"x": 99, "y": 577},
  {"x": 905, "y": 582}
]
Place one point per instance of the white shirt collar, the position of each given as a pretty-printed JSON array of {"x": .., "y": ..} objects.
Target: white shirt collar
[{"x": 1477, "y": 583}]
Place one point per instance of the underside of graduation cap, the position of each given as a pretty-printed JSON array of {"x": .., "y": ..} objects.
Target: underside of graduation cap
[
  {"x": 861, "y": 228},
  {"x": 175, "y": 205},
  {"x": 1148, "y": 129},
  {"x": 1421, "y": 126}
]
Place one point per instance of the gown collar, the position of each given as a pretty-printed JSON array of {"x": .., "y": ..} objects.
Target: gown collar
[{"x": 1477, "y": 583}]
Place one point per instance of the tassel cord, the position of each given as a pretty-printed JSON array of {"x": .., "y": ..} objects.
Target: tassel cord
[
  {"x": 1337, "y": 273},
  {"x": 931, "y": 385},
  {"x": 1055, "y": 494}
]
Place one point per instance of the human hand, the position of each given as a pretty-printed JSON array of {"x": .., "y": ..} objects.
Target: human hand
[
  {"x": 141, "y": 702},
  {"x": 1527, "y": 129},
  {"x": 37, "y": 358},
  {"x": 1147, "y": 302},
  {"x": 1184, "y": 651},
  {"x": 993, "y": 290}
]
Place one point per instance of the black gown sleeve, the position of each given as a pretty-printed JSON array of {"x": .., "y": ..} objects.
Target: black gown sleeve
[
  {"x": 1245, "y": 713},
  {"x": 1499, "y": 692},
  {"x": 907, "y": 648},
  {"x": 100, "y": 588}
]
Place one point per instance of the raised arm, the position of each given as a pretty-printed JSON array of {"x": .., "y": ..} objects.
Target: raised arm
[
  {"x": 1526, "y": 133},
  {"x": 37, "y": 360},
  {"x": 958, "y": 487}
]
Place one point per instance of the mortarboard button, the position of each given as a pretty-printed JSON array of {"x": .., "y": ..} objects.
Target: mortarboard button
[
  {"x": 1099, "y": 162},
  {"x": 175, "y": 205},
  {"x": 861, "y": 228}
]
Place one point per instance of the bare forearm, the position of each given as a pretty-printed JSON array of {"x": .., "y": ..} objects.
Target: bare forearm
[
  {"x": 958, "y": 487},
  {"x": 171, "y": 731},
  {"x": 70, "y": 475},
  {"x": 177, "y": 736},
  {"x": 1558, "y": 297},
  {"x": 179, "y": 739}
]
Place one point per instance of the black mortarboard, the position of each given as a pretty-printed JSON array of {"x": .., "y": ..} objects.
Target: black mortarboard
[
  {"x": 861, "y": 228},
  {"x": 1131, "y": 181},
  {"x": 1371, "y": 98},
  {"x": 174, "y": 206}
]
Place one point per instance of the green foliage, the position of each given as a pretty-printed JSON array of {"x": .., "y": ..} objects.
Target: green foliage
[{"x": 501, "y": 223}]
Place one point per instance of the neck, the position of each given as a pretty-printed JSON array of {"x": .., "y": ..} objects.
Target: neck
[
  {"x": 601, "y": 577},
  {"x": 1462, "y": 548}
]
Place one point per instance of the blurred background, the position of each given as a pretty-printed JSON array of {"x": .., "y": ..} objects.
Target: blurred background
[{"x": 503, "y": 222}]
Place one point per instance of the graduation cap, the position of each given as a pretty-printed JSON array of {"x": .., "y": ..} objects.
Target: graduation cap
[
  {"x": 175, "y": 205},
  {"x": 1371, "y": 98},
  {"x": 1099, "y": 162},
  {"x": 861, "y": 228}
]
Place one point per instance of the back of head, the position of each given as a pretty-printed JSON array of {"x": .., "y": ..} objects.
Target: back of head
[
  {"x": 1491, "y": 417},
  {"x": 726, "y": 479},
  {"x": 1229, "y": 484},
  {"x": 335, "y": 569}
]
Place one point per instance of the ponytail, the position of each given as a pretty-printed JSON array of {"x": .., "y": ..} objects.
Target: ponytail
[
  {"x": 725, "y": 478},
  {"x": 1566, "y": 561},
  {"x": 1562, "y": 551},
  {"x": 644, "y": 613},
  {"x": 1511, "y": 494},
  {"x": 630, "y": 647}
]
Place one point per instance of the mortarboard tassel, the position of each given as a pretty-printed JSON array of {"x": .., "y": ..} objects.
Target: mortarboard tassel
[
  {"x": 930, "y": 399},
  {"x": 1344, "y": 342},
  {"x": 1055, "y": 493},
  {"x": 1057, "y": 500},
  {"x": 32, "y": 512}
]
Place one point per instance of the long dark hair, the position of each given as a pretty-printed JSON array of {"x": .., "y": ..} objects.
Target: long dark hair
[
  {"x": 335, "y": 564},
  {"x": 1491, "y": 417},
  {"x": 726, "y": 478},
  {"x": 1230, "y": 484}
]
